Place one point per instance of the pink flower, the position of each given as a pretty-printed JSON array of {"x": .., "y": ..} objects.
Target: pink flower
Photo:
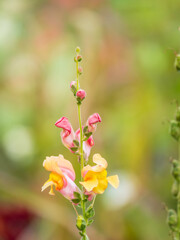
[
  {"x": 81, "y": 94},
  {"x": 62, "y": 176},
  {"x": 67, "y": 133},
  {"x": 87, "y": 145},
  {"x": 92, "y": 122}
]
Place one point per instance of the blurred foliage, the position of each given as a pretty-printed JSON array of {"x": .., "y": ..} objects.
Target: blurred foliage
[{"x": 130, "y": 81}]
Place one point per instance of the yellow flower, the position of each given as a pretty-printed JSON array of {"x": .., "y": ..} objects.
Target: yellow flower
[{"x": 95, "y": 178}]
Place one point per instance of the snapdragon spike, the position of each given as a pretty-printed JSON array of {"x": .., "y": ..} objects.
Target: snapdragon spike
[{"x": 94, "y": 179}]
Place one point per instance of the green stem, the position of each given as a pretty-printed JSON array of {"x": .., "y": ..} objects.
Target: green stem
[{"x": 81, "y": 149}]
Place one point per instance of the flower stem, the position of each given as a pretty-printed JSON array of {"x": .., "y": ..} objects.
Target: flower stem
[
  {"x": 81, "y": 148},
  {"x": 80, "y": 122}
]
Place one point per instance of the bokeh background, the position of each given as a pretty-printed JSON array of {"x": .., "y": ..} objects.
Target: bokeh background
[{"x": 128, "y": 55}]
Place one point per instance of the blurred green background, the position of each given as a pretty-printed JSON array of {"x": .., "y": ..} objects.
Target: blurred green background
[{"x": 130, "y": 81}]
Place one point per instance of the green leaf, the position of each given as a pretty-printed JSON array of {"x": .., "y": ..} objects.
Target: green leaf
[
  {"x": 90, "y": 212},
  {"x": 74, "y": 149},
  {"x": 77, "y": 195},
  {"x": 85, "y": 129},
  {"x": 76, "y": 143},
  {"x": 88, "y": 134},
  {"x": 76, "y": 200},
  {"x": 90, "y": 222}
]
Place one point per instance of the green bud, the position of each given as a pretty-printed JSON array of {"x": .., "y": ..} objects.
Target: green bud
[
  {"x": 172, "y": 218},
  {"x": 175, "y": 189},
  {"x": 80, "y": 223},
  {"x": 176, "y": 169},
  {"x": 78, "y": 49},
  {"x": 175, "y": 129},
  {"x": 178, "y": 114},
  {"x": 177, "y": 62},
  {"x": 90, "y": 212}
]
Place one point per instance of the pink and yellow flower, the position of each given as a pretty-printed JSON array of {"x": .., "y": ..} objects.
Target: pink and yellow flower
[
  {"x": 92, "y": 122},
  {"x": 95, "y": 177},
  {"x": 67, "y": 133},
  {"x": 62, "y": 176}
]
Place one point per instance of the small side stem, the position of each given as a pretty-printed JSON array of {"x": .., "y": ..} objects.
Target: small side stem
[{"x": 75, "y": 209}]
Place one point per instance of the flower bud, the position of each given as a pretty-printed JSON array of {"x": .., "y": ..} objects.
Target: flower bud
[
  {"x": 178, "y": 114},
  {"x": 172, "y": 218},
  {"x": 177, "y": 62},
  {"x": 175, "y": 129},
  {"x": 73, "y": 86},
  {"x": 79, "y": 58},
  {"x": 175, "y": 189},
  {"x": 78, "y": 49},
  {"x": 80, "y": 70},
  {"x": 80, "y": 223},
  {"x": 81, "y": 94},
  {"x": 176, "y": 169}
]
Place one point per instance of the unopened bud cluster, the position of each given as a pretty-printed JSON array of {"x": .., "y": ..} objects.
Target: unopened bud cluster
[{"x": 80, "y": 94}]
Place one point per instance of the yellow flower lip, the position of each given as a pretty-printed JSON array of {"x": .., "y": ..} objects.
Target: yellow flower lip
[
  {"x": 54, "y": 179},
  {"x": 95, "y": 178}
]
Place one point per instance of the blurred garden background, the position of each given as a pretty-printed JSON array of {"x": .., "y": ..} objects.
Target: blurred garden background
[{"x": 128, "y": 55}]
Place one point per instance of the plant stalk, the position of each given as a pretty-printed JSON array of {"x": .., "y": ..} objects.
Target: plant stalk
[{"x": 81, "y": 149}]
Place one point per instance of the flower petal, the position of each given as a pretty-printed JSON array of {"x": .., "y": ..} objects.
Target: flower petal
[
  {"x": 46, "y": 185},
  {"x": 113, "y": 180},
  {"x": 66, "y": 167},
  {"x": 59, "y": 165},
  {"x": 69, "y": 189},
  {"x": 64, "y": 124},
  {"x": 100, "y": 161},
  {"x": 51, "y": 164},
  {"x": 90, "y": 184}
]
